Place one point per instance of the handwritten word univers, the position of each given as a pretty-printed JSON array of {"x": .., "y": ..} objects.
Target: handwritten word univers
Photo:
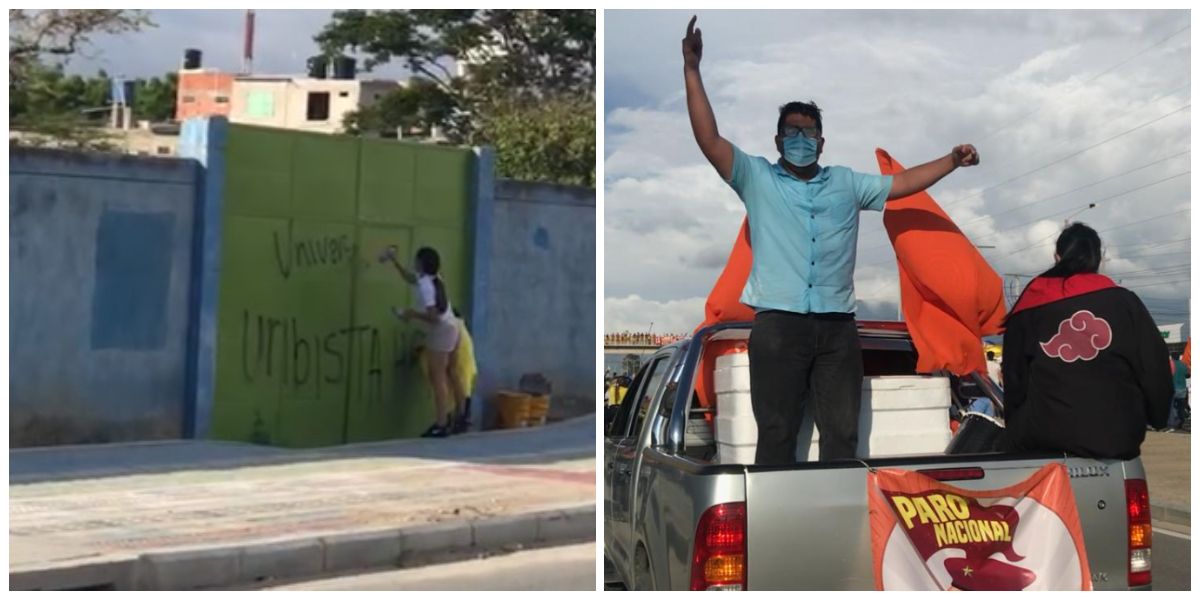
[
  {"x": 950, "y": 515},
  {"x": 329, "y": 250},
  {"x": 321, "y": 362}
]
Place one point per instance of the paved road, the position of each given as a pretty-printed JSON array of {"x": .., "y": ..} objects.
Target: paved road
[
  {"x": 95, "y": 504},
  {"x": 1172, "y": 560},
  {"x": 558, "y": 569}
]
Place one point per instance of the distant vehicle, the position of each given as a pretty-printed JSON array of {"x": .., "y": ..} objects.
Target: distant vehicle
[{"x": 665, "y": 488}]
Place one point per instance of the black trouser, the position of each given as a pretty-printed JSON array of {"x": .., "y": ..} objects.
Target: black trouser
[{"x": 794, "y": 357}]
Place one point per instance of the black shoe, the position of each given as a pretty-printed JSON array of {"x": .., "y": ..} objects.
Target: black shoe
[
  {"x": 462, "y": 423},
  {"x": 435, "y": 431}
]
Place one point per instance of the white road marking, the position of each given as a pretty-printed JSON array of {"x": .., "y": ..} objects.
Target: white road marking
[{"x": 1174, "y": 534}]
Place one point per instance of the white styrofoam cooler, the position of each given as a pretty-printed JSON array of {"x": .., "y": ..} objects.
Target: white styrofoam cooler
[{"x": 900, "y": 415}]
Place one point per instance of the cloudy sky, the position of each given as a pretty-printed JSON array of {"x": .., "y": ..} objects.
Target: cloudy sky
[
  {"x": 1046, "y": 97},
  {"x": 283, "y": 41}
]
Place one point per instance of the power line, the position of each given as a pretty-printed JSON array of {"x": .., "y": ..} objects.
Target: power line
[
  {"x": 1146, "y": 270},
  {"x": 1090, "y": 204},
  {"x": 1106, "y": 198},
  {"x": 1152, "y": 244},
  {"x": 1028, "y": 204},
  {"x": 1069, "y": 156},
  {"x": 1093, "y": 78},
  {"x": 1071, "y": 191},
  {"x": 1162, "y": 284},
  {"x": 1186, "y": 252},
  {"x": 1043, "y": 243}
]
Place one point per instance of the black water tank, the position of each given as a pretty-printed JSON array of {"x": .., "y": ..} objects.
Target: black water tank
[
  {"x": 344, "y": 67},
  {"x": 317, "y": 66},
  {"x": 191, "y": 58}
]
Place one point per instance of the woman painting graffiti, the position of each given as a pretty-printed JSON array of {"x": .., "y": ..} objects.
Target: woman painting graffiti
[
  {"x": 435, "y": 314},
  {"x": 1085, "y": 368}
]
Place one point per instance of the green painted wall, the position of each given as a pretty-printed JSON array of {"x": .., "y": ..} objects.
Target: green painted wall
[{"x": 308, "y": 353}]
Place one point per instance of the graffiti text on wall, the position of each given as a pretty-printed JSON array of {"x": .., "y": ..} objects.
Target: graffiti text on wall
[
  {"x": 325, "y": 250},
  {"x": 320, "y": 362}
]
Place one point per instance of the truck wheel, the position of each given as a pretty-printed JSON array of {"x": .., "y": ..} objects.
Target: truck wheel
[{"x": 642, "y": 580}]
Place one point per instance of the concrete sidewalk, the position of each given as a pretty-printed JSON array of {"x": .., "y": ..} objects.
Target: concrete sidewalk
[
  {"x": 144, "y": 516},
  {"x": 1168, "y": 461}
]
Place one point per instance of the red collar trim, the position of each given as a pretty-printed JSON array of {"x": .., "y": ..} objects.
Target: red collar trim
[{"x": 1044, "y": 290}]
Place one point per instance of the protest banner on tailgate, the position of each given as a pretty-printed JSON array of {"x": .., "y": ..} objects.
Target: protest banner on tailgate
[{"x": 928, "y": 535}]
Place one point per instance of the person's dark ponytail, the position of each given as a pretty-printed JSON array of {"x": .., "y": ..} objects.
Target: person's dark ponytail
[
  {"x": 430, "y": 263},
  {"x": 1078, "y": 249}
]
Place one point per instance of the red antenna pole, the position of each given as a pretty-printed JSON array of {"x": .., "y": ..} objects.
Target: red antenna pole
[{"x": 248, "y": 43}]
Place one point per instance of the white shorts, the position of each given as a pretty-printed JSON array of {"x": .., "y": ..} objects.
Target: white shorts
[{"x": 442, "y": 336}]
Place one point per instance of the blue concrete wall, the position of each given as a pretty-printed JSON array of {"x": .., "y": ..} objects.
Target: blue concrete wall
[
  {"x": 540, "y": 291},
  {"x": 204, "y": 140},
  {"x": 100, "y": 278}
]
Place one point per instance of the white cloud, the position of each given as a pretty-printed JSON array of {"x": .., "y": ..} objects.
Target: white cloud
[{"x": 634, "y": 313}]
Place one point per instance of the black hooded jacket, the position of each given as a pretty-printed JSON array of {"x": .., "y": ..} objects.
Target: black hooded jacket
[{"x": 1085, "y": 369}]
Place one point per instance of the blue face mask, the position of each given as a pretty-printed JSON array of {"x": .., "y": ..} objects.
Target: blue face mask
[{"x": 799, "y": 150}]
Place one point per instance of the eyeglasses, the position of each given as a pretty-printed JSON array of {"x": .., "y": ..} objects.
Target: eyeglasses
[{"x": 809, "y": 132}]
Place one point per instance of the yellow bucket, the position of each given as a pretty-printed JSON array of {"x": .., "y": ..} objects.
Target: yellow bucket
[
  {"x": 512, "y": 409},
  {"x": 539, "y": 406}
]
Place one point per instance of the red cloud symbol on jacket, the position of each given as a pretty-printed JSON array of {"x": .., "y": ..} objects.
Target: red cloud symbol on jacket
[{"x": 1080, "y": 337}]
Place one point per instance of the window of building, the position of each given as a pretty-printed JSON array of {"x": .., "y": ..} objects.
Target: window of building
[
  {"x": 163, "y": 150},
  {"x": 343, "y": 94},
  {"x": 222, "y": 99},
  {"x": 260, "y": 104},
  {"x": 318, "y": 106},
  {"x": 189, "y": 99}
]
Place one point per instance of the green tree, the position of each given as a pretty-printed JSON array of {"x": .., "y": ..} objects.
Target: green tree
[
  {"x": 518, "y": 67},
  {"x": 44, "y": 101},
  {"x": 154, "y": 98},
  {"x": 553, "y": 140}
]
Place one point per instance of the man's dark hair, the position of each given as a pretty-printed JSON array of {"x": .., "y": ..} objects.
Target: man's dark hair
[
  {"x": 808, "y": 109},
  {"x": 991, "y": 355}
]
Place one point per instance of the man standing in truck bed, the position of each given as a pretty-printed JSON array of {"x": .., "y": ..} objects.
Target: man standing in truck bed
[{"x": 804, "y": 231}]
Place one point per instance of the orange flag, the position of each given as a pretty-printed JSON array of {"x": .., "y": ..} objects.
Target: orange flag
[
  {"x": 1187, "y": 354},
  {"x": 723, "y": 304},
  {"x": 950, "y": 295}
]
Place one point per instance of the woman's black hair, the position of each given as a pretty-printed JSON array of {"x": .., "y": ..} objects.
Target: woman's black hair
[
  {"x": 429, "y": 262},
  {"x": 1078, "y": 250}
]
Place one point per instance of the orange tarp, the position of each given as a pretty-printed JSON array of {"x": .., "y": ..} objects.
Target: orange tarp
[{"x": 950, "y": 295}]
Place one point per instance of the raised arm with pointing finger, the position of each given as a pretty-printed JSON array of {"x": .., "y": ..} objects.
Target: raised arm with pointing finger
[{"x": 716, "y": 149}]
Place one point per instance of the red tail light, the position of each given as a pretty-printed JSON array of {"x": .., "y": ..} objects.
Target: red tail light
[
  {"x": 719, "y": 556},
  {"x": 1137, "y": 510}
]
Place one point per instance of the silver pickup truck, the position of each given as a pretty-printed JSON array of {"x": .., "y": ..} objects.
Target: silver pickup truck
[{"x": 662, "y": 484}]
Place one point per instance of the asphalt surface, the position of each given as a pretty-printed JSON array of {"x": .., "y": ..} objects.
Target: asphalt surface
[
  {"x": 565, "y": 568},
  {"x": 1172, "y": 556}
]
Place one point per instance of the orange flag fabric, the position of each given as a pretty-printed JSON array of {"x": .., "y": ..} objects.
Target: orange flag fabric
[
  {"x": 950, "y": 295},
  {"x": 1187, "y": 354},
  {"x": 723, "y": 304},
  {"x": 930, "y": 536}
]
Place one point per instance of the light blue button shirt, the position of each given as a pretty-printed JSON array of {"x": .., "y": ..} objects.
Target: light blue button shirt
[{"x": 804, "y": 233}]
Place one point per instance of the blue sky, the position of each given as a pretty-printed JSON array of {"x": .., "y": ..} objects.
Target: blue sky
[{"x": 1028, "y": 88}]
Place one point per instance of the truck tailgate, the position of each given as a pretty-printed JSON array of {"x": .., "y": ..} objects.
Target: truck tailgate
[{"x": 808, "y": 526}]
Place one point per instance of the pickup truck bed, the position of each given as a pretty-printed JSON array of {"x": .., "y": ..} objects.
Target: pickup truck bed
[{"x": 805, "y": 525}]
